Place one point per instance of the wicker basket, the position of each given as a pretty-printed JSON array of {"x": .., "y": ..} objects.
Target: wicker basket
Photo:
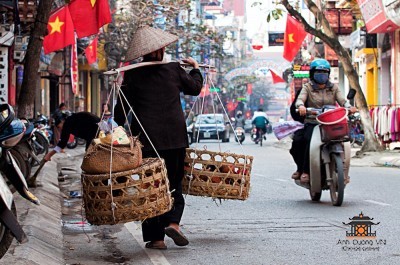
[
  {"x": 137, "y": 194},
  {"x": 217, "y": 175}
]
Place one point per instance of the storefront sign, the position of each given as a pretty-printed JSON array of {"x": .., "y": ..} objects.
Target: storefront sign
[
  {"x": 275, "y": 39},
  {"x": 375, "y": 17}
]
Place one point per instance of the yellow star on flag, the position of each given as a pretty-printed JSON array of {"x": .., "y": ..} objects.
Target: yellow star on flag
[
  {"x": 291, "y": 37},
  {"x": 92, "y": 2},
  {"x": 56, "y": 25}
]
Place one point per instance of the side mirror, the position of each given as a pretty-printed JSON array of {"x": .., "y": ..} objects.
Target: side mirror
[{"x": 351, "y": 94}]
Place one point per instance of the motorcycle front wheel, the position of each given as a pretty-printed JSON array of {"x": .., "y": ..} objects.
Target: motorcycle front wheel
[
  {"x": 43, "y": 147},
  {"x": 23, "y": 164},
  {"x": 337, "y": 184},
  {"x": 6, "y": 237}
]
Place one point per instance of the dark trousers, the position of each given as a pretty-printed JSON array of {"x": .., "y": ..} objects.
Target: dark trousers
[
  {"x": 300, "y": 149},
  {"x": 297, "y": 149},
  {"x": 153, "y": 228}
]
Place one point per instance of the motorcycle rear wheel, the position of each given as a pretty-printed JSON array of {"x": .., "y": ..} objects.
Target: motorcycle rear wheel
[
  {"x": 337, "y": 184},
  {"x": 6, "y": 237}
]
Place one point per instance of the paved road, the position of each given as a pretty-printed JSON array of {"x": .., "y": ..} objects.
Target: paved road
[{"x": 278, "y": 224}]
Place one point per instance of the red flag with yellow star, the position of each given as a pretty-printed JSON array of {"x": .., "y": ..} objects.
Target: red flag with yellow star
[
  {"x": 294, "y": 36},
  {"x": 60, "y": 31},
  {"x": 91, "y": 51},
  {"x": 89, "y": 16}
]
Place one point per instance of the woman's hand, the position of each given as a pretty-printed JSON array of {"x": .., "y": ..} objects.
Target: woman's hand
[
  {"x": 302, "y": 110},
  {"x": 191, "y": 61},
  {"x": 353, "y": 110}
]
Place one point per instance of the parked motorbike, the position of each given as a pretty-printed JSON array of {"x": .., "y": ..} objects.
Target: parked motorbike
[
  {"x": 356, "y": 131},
  {"x": 11, "y": 131},
  {"x": 43, "y": 134},
  {"x": 72, "y": 142},
  {"x": 329, "y": 154},
  {"x": 240, "y": 134}
]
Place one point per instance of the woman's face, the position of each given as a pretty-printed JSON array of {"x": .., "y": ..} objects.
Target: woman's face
[{"x": 105, "y": 107}]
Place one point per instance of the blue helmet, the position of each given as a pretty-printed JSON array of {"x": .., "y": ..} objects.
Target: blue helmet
[{"x": 320, "y": 64}]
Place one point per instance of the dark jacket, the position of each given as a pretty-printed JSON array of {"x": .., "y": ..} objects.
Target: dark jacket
[
  {"x": 295, "y": 115},
  {"x": 82, "y": 125},
  {"x": 154, "y": 94}
]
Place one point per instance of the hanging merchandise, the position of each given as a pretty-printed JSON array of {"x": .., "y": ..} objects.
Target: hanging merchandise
[
  {"x": 215, "y": 174},
  {"x": 118, "y": 185}
]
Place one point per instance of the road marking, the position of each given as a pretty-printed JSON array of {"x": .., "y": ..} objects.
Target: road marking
[
  {"x": 156, "y": 256},
  {"x": 379, "y": 203},
  {"x": 260, "y": 175},
  {"x": 283, "y": 180}
]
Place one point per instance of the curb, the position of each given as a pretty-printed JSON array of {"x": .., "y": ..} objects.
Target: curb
[{"x": 42, "y": 224}]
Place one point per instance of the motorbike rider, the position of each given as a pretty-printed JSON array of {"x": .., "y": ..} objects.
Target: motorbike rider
[
  {"x": 260, "y": 121},
  {"x": 239, "y": 120},
  {"x": 316, "y": 93}
]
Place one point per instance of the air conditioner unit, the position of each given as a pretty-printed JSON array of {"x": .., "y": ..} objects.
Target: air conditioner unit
[{"x": 19, "y": 55}]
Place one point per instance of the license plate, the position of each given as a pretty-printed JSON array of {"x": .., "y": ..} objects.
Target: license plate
[{"x": 206, "y": 135}]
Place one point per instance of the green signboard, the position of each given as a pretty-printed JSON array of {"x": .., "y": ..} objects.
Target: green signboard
[{"x": 215, "y": 89}]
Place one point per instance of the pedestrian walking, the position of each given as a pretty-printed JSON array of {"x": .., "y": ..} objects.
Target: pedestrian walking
[{"x": 153, "y": 91}]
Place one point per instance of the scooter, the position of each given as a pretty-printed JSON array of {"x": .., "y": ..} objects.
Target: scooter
[
  {"x": 11, "y": 132},
  {"x": 239, "y": 134},
  {"x": 329, "y": 155}
]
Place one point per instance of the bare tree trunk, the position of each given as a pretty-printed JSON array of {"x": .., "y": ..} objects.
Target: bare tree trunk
[
  {"x": 26, "y": 96},
  {"x": 329, "y": 37}
]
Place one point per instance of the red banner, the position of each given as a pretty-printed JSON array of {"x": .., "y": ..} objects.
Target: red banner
[{"x": 74, "y": 69}]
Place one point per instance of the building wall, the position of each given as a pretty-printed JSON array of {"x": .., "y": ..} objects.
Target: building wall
[{"x": 368, "y": 73}]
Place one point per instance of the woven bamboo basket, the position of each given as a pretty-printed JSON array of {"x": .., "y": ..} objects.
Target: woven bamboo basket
[
  {"x": 217, "y": 174},
  {"x": 137, "y": 194}
]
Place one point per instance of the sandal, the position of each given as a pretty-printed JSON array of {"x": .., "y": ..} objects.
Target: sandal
[
  {"x": 177, "y": 236},
  {"x": 305, "y": 178},
  {"x": 296, "y": 175},
  {"x": 154, "y": 245}
]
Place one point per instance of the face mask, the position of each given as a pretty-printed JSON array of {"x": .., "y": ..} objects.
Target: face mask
[{"x": 321, "y": 78}]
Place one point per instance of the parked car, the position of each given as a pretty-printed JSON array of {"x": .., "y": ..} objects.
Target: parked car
[{"x": 210, "y": 126}]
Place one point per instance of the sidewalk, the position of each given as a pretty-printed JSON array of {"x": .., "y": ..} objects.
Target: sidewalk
[{"x": 42, "y": 224}]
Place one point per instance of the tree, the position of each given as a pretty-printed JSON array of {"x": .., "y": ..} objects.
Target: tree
[
  {"x": 27, "y": 93},
  {"x": 164, "y": 14},
  {"x": 324, "y": 32}
]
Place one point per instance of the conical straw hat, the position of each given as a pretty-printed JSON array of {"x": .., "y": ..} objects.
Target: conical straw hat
[{"x": 146, "y": 40}]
